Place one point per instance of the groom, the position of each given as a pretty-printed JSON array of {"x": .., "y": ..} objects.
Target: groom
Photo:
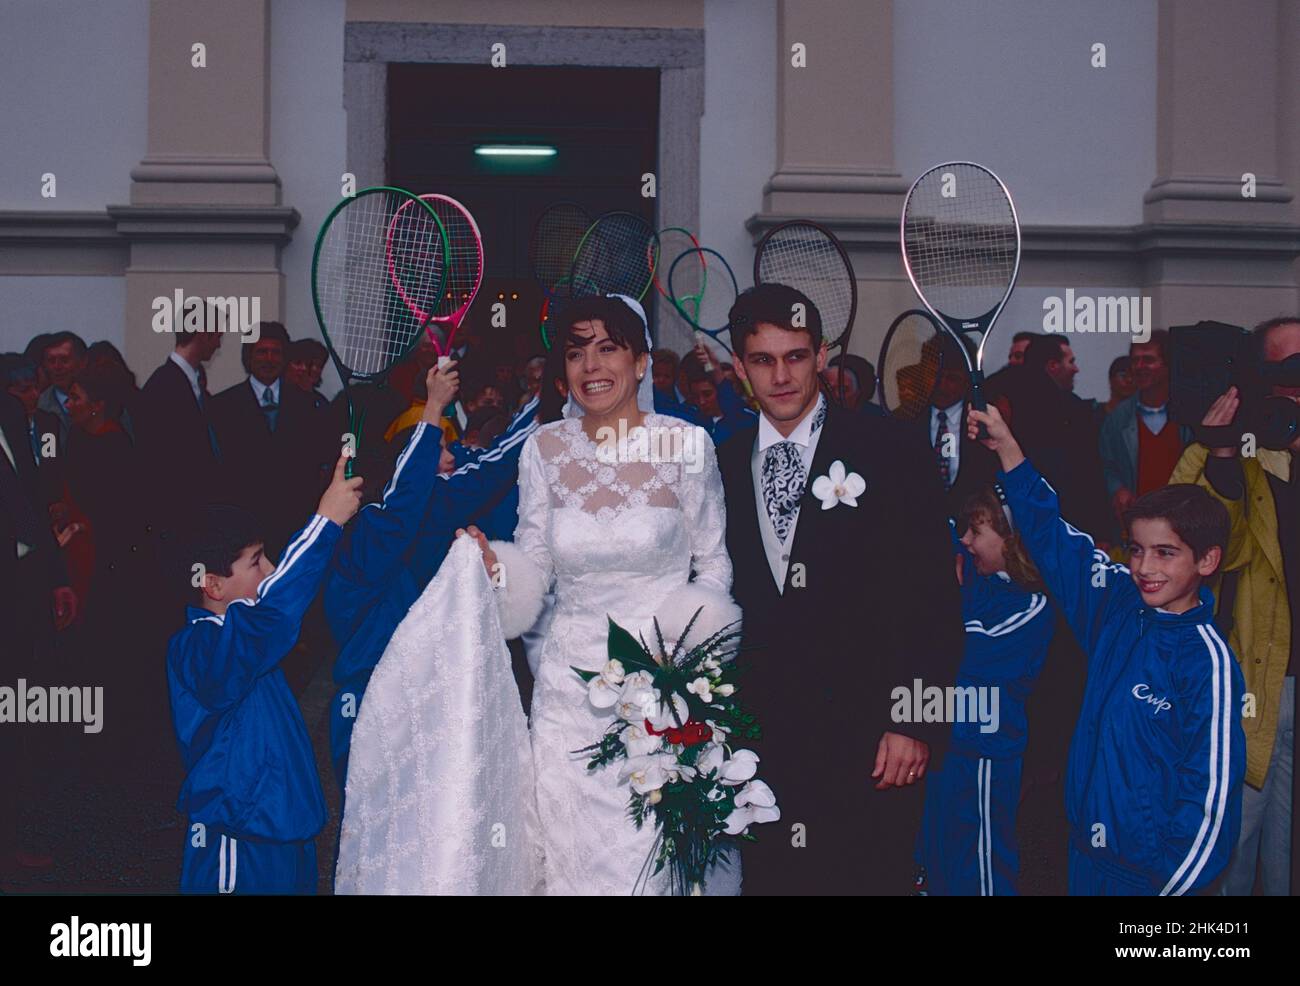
[{"x": 843, "y": 606}]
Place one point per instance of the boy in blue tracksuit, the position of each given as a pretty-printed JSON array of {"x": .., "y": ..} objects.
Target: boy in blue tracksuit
[
  {"x": 1153, "y": 787},
  {"x": 251, "y": 794},
  {"x": 967, "y": 844},
  {"x": 391, "y": 552}
]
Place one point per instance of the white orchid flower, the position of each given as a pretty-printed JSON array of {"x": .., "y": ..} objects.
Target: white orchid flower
[
  {"x": 838, "y": 486},
  {"x": 700, "y": 687},
  {"x": 670, "y": 713},
  {"x": 613, "y": 671},
  {"x": 645, "y": 774},
  {"x": 755, "y": 804},
  {"x": 676, "y": 771},
  {"x": 742, "y": 765},
  {"x": 725, "y": 690},
  {"x": 756, "y": 794},
  {"x": 638, "y": 699},
  {"x": 601, "y": 694},
  {"x": 710, "y": 760},
  {"x": 639, "y": 743}
]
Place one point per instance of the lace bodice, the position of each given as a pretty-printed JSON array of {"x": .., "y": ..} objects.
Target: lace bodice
[{"x": 577, "y": 495}]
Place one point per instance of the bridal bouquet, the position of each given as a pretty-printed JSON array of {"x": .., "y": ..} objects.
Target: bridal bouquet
[{"x": 676, "y": 722}]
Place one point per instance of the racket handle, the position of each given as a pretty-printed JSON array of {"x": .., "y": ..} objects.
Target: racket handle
[
  {"x": 708, "y": 361},
  {"x": 978, "y": 402},
  {"x": 355, "y": 425}
]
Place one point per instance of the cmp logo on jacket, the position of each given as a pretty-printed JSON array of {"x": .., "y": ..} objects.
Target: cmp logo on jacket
[
  {"x": 1142, "y": 692},
  {"x": 77, "y": 940}
]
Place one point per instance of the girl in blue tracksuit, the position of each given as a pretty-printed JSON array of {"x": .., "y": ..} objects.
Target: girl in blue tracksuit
[
  {"x": 1153, "y": 786},
  {"x": 391, "y": 551},
  {"x": 967, "y": 844},
  {"x": 251, "y": 794}
]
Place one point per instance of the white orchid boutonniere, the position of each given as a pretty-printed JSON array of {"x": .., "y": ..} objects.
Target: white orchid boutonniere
[{"x": 838, "y": 486}]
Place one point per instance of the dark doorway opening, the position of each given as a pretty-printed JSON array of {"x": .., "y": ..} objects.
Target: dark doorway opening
[{"x": 602, "y": 122}]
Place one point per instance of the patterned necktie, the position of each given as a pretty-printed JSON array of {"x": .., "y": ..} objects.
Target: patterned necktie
[
  {"x": 269, "y": 407},
  {"x": 784, "y": 477},
  {"x": 203, "y": 407},
  {"x": 944, "y": 463}
]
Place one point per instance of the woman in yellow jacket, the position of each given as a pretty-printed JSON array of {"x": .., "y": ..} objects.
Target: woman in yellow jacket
[{"x": 1253, "y": 584}]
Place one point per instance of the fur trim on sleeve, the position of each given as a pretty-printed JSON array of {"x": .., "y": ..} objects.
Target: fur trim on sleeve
[
  {"x": 717, "y": 610},
  {"x": 518, "y": 589}
]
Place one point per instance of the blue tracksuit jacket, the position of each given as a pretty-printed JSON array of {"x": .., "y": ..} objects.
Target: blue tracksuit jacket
[
  {"x": 1153, "y": 787},
  {"x": 393, "y": 548},
  {"x": 1007, "y": 633},
  {"x": 249, "y": 767}
]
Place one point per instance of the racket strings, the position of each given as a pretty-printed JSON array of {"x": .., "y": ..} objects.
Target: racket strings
[
  {"x": 555, "y": 241},
  {"x": 961, "y": 248},
  {"x": 369, "y": 325},
  {"x": 704, "y": 289},
  {"x": 464, "y": 259},
  {"x": 803, "y": 258},
  {"x": 618, "y": 255},
  {"x": 909, "y": 367}
]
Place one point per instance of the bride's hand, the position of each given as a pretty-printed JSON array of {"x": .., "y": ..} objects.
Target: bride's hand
[{"x": 489, "y": 556}]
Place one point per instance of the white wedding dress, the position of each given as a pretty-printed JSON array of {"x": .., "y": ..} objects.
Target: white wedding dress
[{"x": 610, "y": 539}]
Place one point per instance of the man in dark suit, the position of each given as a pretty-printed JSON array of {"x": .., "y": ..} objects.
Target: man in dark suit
[
  {"x": 847, "y": 584},
  {"x": 35, "y": 602},
  {"x": 62, "y": 358},
  {"x": 964, "y": 467},
  {"x": 1057, "y": 430},
  {"x": 20, "y": 378},
  {"x": 273, "y": 440},
  {"x": 177, "y": 443}
]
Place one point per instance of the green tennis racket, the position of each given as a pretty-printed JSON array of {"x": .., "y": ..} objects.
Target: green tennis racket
[{"x": 375, "y": 284}]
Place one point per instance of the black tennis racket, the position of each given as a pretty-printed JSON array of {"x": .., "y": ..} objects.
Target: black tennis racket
[
  {"x": 554, "y": 241},
  {"x": 361, "y": 259},
  {"x": 910, "y": 363},
  {"x": 961, "y": 249},
  {"x": 617, "y": 255},
  {"x": 808, "y": 257}
]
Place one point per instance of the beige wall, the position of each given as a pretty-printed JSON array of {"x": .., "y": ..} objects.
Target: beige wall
[{"x": 558, "y": 13}]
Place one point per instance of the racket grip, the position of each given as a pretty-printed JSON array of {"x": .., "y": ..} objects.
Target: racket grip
[{"x": 978, "y": 402}]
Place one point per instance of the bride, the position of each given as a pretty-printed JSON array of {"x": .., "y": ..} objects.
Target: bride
[{"x": 621, "y": 517}]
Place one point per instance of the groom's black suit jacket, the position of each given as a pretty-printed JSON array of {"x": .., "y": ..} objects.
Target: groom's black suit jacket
[{"x": 880, "y": 607}]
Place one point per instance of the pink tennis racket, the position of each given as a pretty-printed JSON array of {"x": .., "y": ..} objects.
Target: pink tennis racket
[{"x": 464, "y": 266}]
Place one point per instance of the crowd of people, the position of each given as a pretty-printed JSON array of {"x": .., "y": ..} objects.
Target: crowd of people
[{"x": 101, "y": 478}]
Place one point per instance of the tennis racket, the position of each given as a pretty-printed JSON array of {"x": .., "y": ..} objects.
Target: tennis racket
[
  {"x": 702, "y": 287},
  {"x": 910, "y": 363},
  {"x": 961, "y": 250},
  {"x": 808, "y": 257},
  {"x": 464, "y": 268},
  {"x": 375, "y": 284},
  {"x": 618, "y": 254},
  {"x": 554, "y": 241},
  {"x": 673, "y": 242},
  {"x": 557, "y": 301}
]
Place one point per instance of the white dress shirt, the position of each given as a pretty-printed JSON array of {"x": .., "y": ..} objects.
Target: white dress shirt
[
  {"x": 9, "y": 454},
  {"x": 191, "y": 374},
  {"x": 953, "y": 416},
  {"x": 778, "y": 554},
  {"x": 260, "y": 389}
]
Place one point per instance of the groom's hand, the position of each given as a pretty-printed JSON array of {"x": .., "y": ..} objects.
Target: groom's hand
[{"x": 900, "y": 760}]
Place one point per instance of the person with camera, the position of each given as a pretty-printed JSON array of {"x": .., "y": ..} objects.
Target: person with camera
[{"x": 1259, "y": 595}]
